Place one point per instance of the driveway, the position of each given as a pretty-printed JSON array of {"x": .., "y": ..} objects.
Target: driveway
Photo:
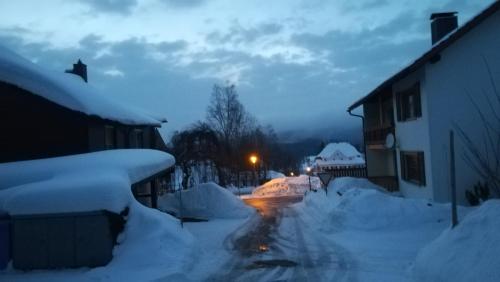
[{"x": 276, "y": 245}]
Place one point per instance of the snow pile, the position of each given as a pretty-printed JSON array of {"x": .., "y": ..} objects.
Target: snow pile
[
  {"x": 370, "y": 209},
  {"x": 358, "y": 203},
  {"x": 86, "y": 182},
  {"x": 287, "y": 186},
  {"x": 67, "y": 90},
  {"x": 342, "y": 184},
  {"x": 152, "y": 246},
  {"x": 468, "y": 252},
  {"x": 207, "y": 200},
  {"x": 271, "y": 174}
]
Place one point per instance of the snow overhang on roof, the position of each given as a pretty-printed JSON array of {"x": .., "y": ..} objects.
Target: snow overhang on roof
[
  {"x": 431, "y": 53},
  {"x": 69, "y": 91},
  {"x": 85, "y": 182}
]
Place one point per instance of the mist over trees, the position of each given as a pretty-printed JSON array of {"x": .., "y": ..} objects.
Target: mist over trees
[{"x": 218, "y": 149}]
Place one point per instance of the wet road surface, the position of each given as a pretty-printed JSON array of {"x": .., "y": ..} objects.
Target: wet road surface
[{"x": 274, "y": 246}]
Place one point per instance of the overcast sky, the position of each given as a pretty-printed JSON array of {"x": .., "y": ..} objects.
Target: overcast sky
[{"x": 297, "y": 64}]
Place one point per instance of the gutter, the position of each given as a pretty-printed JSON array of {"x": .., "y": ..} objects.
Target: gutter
[{"x": 364, "y": 144}]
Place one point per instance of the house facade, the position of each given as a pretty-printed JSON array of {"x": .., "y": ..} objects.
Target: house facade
[{"x": 443, "y": 90}]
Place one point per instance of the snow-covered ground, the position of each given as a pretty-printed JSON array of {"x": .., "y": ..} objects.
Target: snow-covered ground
[
  {"x": 384, "y": 235},
  {"x": 287, "y": 186},
  {"x": 356, "y": 232}
]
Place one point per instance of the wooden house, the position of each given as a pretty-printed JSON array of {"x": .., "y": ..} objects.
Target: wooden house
[{"x": 46, "y": 114}]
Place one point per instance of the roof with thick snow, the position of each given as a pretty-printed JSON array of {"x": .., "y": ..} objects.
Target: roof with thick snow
[
  {"x": 86, "y": 182},
  {"x": 341, "y": 153},
  {"x": 68, "y": 90},
  {"x": 437, "y": 48}
]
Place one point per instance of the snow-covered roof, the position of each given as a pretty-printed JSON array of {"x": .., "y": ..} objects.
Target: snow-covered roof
[
  {"x": 339, "y": 154},
  {"x": 438, "y": 47},
  {"x": 344, "y": 148},
  {"x": 67, "y": 90},
  {"x": 86, "y": 182}
]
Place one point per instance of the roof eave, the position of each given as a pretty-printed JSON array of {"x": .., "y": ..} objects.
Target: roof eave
[{"x": 435, "y": 50}]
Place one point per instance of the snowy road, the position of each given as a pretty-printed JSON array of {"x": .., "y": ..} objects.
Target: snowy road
[{"x": 277, "y": 246}]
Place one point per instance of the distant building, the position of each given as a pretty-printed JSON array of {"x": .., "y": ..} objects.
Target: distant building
[
  {"x": 338, "y": 156},
  {"x": 407, "y": 118}
]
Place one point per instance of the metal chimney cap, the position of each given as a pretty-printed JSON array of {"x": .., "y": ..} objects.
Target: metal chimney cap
[{"x": 443, "y": 15}]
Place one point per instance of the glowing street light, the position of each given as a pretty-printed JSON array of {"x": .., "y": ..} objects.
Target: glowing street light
[
  {"x": 308, "y": 169},
  {"x": 291, "y": 173},
  {"x": 253, "y": 160}
]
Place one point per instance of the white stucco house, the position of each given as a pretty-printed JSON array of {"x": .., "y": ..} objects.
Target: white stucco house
[{"x": 441, "y": 90}]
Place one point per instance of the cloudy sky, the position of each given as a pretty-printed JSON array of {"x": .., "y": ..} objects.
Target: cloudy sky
[{"x": 297, "y": 64}]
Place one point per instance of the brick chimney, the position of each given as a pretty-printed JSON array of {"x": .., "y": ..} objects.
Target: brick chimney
[
  {"x": 442, "y": 24},
  {"x": 79, "y": 69}
]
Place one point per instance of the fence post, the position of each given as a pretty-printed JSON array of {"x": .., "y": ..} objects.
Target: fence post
[{"x": 454, "y": 220}]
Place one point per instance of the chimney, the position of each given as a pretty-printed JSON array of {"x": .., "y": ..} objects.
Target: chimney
[
  {"x": 79, "y": 69},
  {"x": 442, "y": 24}
]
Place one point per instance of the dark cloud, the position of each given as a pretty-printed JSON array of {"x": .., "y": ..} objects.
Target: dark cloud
[
  {"x": 238, "y": 34},
  {"x": 182, "y": 3},
  {"x": 111, "y": 6},
  {"x": 353, "y": 6}
]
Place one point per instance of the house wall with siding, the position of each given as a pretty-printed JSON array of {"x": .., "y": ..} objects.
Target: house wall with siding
[{"x": 461, "y": 70}]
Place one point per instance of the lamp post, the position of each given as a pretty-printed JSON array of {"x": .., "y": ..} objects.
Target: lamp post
[
  {"x": 308, "y": 169},
  {"x": 253, "y": 160}
]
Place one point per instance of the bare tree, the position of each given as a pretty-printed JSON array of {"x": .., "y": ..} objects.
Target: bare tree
[
  {"x": 485, "y": 158},
  {"x": 225, "y": 114}
]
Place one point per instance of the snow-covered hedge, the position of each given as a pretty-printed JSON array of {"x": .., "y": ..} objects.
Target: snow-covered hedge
[
  {"x": 468, "y": 252},
  {"x": 207, "y": 200}
]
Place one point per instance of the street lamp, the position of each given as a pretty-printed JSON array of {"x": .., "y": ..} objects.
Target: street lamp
[
  {"x": 253, "y": 160},
  {"x": 308, "y": 169}
]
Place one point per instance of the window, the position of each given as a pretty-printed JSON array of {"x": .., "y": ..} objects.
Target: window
[
  {"x": 408, "y": 103},
  {"x": 110, "y": 137},
  {"x": 413, "y": 167}
]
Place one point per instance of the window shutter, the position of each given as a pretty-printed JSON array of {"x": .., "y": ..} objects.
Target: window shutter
[
  {"x": 418, "y": 104},
  {"x": 421, "y": 163},
  {"x": 398, "y": 106}
]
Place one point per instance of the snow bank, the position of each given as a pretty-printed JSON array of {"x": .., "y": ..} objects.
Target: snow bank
[
  {"x": 287, "y": 186},
  {"x": 342, "y": 184},
  {"x": 67, "y": 90},
  {"x": 86, "y": 182},
  {"x": 271, "y": 174},
  {"x": 207, "y": 200},
  {"x": 152, "y": 246},
  {"x": 358, "y": 203},
  {"x": 468, "y": 252}
]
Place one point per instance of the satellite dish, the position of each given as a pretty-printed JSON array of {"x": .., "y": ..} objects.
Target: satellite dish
[{"x": 389, "y": 141}]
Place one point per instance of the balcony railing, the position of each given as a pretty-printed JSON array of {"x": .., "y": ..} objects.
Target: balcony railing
[{"x": 376, "y": 136}]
